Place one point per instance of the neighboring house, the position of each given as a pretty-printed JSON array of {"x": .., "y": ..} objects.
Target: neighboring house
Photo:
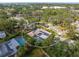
[
  {"x": 6, "y": 51},
  {"x": 2, "y": 34},
  {"x": 10, "y": 47},
  {"x": 44, "y": 7},
  {"x": 54, "y": 7},
  {"x": 13, "y": 44},
  {"x": 57, "y": 7},
  {"x": 39, "y": 34}
]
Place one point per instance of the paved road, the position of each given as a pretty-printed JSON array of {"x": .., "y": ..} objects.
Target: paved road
[{"x": 43, "y": 46}]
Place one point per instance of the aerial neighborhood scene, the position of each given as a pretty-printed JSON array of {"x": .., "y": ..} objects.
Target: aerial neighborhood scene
[{"x": 39, "y": 30}]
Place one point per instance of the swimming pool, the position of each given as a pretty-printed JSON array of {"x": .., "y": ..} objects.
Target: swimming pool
[{"x": 20, "y": 40}]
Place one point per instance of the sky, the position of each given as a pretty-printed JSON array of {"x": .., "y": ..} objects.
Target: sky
[{"x": 56, "y": 1}]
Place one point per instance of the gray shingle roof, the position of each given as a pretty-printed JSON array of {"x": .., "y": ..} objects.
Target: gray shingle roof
[{"x": 5, "y": 50}]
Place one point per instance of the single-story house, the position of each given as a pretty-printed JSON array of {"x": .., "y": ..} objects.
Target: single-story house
[
  {"x": 39, "y": 34},
  {"x": 13, "y": 43},
  {"x": 10, "y": 47},
  {"x": 6, "y": 50}
]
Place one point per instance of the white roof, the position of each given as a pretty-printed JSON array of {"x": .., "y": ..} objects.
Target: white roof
[
  {"x": 57, "y": 7},
  {"x": 43, "y": 36},
  {"x": 2, "y": 34},
  {"x": 13, "y": 44},
  {"x": 44, "y": 7}
]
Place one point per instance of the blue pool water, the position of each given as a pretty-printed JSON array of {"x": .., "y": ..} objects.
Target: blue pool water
[{"x": 20, "y": 40}]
